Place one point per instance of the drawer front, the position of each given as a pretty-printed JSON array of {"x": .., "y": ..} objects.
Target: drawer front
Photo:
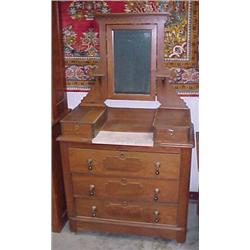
[
  {"x": 130, "y": 189},
  {"x": 117, "y": 163},
  {"x": 175, "y": 134},
  {"x": 161, "y": 214},
  {"x": 83, "y": 130}
]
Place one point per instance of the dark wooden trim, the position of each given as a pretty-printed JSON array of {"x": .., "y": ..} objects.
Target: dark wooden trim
[
  {"x": 75, "y": 144},
  {"x": 67, "y": 180},
  {"x": 127, "y": 223},
  {"x": 58, "y": 119},
  {"x": 184, "y": 193},
  {"x": 194, "y": 196},
  {"x": 59, "y": 210},
  {"x": 129, "y": 227},
  {"x": 59, "y": 110},
  {"x": 197, "y": 148},
  {"x": 57, "y": 227}
]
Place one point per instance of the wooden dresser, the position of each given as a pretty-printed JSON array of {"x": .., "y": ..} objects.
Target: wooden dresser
[{"x": 126, "y": 169}]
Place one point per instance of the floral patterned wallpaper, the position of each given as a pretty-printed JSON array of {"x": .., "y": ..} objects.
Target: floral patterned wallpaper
[{"x": 81, "y": 40}]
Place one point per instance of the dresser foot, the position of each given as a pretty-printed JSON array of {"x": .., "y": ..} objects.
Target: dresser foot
[
  {"x": 72, "y": 226},
  {"x": 180, "y": 237}
]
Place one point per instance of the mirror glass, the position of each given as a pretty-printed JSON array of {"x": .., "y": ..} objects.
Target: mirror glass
[{"x": 132, "y": 59}]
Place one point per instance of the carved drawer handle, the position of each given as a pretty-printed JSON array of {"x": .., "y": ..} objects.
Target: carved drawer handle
[
  {"x": 94, "y": 211},
  {"x": 91, "y": 190},
  {"x": 157, "y": 167},
  {"x": 90, "y": 164},
  {"x": 156, "y": 214},
  {"x": 156, "y": 194}
]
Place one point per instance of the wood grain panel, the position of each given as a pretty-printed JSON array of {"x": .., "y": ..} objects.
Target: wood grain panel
[
  {"x": 171, "y": 134},
  {"x": 123, "y": 188},
  {"x": 118, "y": 164},
  {"x": 83, "y": 130},
  {"x": 124, "y": 211},
  {"x": 127, "y": 211},
  {"x": 130, "y": 189},
  {"x": 128, "y": 161}
]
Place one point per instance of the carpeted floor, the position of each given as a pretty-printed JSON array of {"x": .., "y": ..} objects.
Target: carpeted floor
[{"x": 106, "y": 241}]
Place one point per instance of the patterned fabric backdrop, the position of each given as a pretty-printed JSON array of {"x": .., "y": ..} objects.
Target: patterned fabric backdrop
[{"x": 81, "y": 40}]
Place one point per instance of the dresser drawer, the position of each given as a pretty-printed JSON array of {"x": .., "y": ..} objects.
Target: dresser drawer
[
  {"x": 171, "y": 134},
  {"x": 161, "y": 214},
  {"x": 75, "y": 129},
  {"x": 130, "y": 189},
  {"x": 117, "y": 163}
]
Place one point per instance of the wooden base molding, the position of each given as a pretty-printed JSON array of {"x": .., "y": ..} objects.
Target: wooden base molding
[{"x": 134, "y": 228}]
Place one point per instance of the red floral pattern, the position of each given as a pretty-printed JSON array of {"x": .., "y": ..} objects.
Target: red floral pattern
[{"x": 81, "y": 39}]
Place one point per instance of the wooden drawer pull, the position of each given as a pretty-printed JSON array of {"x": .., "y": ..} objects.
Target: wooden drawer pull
[
  {"x": 90, "y": 164},
  {"x": 94, "y": 211},
  {"x": 156, "y": 214},
  {"x": 157, "y": 167},
  {"x": 122, "y": 156},
  {"x": 156, "y": 194},
  {"x": 91, "y": 190},
  {"x": 171, "y": 131}
]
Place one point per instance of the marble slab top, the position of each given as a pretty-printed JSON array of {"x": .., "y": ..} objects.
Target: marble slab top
[
  {"x": 124, "y": 138},
  {"x": 138, "y": 104}
]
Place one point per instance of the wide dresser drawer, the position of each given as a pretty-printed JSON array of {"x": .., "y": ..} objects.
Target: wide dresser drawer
[
  {"x": 150, "y": 213},
  {"x": 130, "y": 189},
  {"x": 118, "y": 163}
]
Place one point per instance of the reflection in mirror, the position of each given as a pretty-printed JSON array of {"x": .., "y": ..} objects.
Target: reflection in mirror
[{"x": 132, "y": 59}]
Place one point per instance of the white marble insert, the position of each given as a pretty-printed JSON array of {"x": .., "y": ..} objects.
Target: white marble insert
[
  {"x": 132, "y": 104},
  {"x": 124, "y": 138}
]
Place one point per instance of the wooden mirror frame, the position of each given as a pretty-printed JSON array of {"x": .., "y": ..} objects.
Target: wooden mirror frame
[{"x": 103, "y": 88}]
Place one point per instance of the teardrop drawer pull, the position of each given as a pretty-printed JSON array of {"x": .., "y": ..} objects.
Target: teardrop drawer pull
[
  {"x": 171, "y": 131},
  {"x": 94, "y": 211},
  {"x": 91, "y": 190},
  {"x": 156, "y": 194},
  {"x": 157, "y": 167},
  {"x": 156, "y": 216},
  {"x": 90, "y": 164}
]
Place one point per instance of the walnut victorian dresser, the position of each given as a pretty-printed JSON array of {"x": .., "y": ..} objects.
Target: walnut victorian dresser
[{"x": 127, "y": 168}]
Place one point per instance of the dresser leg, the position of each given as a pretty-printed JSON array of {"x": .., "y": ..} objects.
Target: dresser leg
[
  {"x": 72, "y": 226},
  {"x": 180, "y": 237}
]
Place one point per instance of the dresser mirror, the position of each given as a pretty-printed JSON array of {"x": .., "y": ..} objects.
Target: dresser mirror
[{"x": 131, "y": 61}]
